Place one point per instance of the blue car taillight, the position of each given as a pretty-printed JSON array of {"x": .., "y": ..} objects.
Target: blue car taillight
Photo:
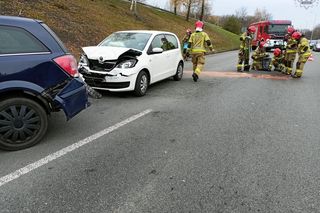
[{"x": 69, "y": 64}]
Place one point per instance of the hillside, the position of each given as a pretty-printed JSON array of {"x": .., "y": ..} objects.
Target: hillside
[{"x": 86, "y": 22}]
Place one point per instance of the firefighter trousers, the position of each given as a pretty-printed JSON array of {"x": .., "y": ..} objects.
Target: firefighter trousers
[
  {"x": 289, "y": 60},
  {"x": 278, "y": 65},
  {"x": 302, "y": 60},
  {"x": 243, "y": 58},
  {"x": 198, "y": 60},
  {"x": 257, "y": 64}
]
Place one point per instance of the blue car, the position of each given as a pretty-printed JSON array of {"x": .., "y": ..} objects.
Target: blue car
[{"x": 38, "y": 76}]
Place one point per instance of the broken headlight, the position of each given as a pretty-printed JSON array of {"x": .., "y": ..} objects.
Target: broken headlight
[
  {"x": 84, "y": 60},
  {"x": 127, "y": 64}
]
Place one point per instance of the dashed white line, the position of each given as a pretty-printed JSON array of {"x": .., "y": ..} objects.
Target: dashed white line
[{"x": 18, "y": 173}]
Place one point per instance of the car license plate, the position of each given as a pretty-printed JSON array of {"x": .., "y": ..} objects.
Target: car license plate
[{"x": 111, "y": 78}]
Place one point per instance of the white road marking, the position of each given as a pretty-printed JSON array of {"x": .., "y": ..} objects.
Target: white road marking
[{"x": 18, "y": 173}]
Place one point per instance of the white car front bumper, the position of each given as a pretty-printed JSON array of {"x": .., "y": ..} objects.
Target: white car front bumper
[{"x": 115, "y": 80}]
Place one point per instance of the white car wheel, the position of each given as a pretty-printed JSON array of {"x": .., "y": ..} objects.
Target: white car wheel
[
  {"x": 179, "y": 73},
  {"x": 142, "y": 84}
]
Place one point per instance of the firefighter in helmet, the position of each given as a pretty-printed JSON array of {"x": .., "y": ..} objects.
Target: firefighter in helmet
[
  {"x": 166, "y": 45},
  {"x": 259, "y": 56},
  {"x": 291, "y": 51},
  {"x": 277, "y": 60},
  {"x": 198, "y": 43},
  {"x": 185, "y": 42},
  {"x": 303, "y": 53},
  {"x": 245, "y": 47}
]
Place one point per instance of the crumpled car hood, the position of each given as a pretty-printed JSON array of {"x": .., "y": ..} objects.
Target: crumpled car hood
[{"x": 108, "y": 53}]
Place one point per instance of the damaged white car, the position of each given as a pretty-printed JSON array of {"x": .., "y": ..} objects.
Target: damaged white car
[{"x": 131, "y": 61}]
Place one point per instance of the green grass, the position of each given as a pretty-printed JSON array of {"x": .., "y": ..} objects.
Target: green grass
[{"x": 86, "y": 22}]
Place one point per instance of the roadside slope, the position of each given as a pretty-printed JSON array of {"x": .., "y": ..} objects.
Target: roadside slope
[{"x": 86, "y": 22}]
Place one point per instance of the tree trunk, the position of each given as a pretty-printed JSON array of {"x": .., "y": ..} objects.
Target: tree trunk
[
  {"x": 175, "y": 9},
  {"x": 133, "y": 7},
  {"x": 202, "y": 10},
  {"x": 189, "y": 8}
]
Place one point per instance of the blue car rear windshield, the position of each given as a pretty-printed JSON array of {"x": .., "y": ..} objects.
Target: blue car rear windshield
[{"x": 132, "y": 40}]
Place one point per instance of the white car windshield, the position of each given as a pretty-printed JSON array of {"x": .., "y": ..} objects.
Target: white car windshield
[{"x": 127, "y": 40}]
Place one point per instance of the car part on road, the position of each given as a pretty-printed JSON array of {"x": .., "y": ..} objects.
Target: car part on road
[
  {"x": 23, "y": 123},
  {"x": 93, "y": 93}
]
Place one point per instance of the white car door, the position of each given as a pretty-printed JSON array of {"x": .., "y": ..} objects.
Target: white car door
[
  {"x": 173, "y": 55},
  {"x": 158, "y": 62}
]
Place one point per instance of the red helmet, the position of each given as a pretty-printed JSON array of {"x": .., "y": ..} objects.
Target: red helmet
[
  {"x": 296, "y": 35},
  {"x": 277, "y": 52},
  {"x": 252, "y": 29},
  {"x": 261, "y": 44},
  {"x": 188, "y": 31},
  {"x": 199, "y": 24},
  {"x": 290, "y": 30}
]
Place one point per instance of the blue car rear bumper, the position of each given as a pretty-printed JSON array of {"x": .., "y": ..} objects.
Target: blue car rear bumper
[{"x": 73, "y": 98}]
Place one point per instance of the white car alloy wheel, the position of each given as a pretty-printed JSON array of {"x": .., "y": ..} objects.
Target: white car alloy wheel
[
  {"x": 179, "y": 73},
  {"x": 142, "y": 84}
]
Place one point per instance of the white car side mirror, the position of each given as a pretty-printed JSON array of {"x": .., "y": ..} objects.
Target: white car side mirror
[{"x": 157, "y": 50}]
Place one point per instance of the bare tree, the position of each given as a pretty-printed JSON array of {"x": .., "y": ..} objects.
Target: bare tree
[
  {"x": 197, "y": 8},
  {"x": 133, "y": 6},
  {"x": 189, "y": 3},
  {"x": 315, "y": 33},
  {"x": 261, "y": 15},
  {"x": 242, "y": 15},
  {"x": 175, "y": 4}
]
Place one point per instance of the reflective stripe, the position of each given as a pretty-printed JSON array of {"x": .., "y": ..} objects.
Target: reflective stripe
[
  {"x": 291, "y": 51},
  {"x": 299, "y": 73},
  {"x": 198, "y": 50}
]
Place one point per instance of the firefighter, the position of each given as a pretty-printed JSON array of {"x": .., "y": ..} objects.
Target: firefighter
[
  {"x": 291, "y": 51},
  {"x": 277, "y": 60},
  {"x": 260, "y": 57},
  {"x": 167, "y": 45},
  {"x": 185, "y": 42},
  {"x": 303, "y": 53},
  {"x": 245, "y": 47},
  {"x": 198, "y": 42}
]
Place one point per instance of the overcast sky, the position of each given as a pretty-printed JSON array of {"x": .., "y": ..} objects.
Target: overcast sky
[{"x": 280, "y": 9}]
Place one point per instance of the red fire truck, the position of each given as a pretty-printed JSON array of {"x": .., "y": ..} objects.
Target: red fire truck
[{"x": 273, "y": 33}]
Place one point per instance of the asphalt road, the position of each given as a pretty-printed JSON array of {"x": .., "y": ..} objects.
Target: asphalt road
[{"x": 229, "y": 143}]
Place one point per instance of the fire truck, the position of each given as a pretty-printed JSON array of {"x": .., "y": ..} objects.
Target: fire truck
[{"x": 272, "y": 32}]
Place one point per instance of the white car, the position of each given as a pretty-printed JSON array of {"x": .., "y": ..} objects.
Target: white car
[{"x": 132, "y": 60}]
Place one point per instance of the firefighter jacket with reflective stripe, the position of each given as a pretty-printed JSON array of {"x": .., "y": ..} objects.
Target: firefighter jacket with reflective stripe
[
  {"x": 278, "y": 58},
  {"x": 291, "y": 45},
  {"x": 198, "y": 42},
  {"x": 303, "y": 47},
  {"x": 259, "y": 54},
  {"x": 245, "y": 41}
]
